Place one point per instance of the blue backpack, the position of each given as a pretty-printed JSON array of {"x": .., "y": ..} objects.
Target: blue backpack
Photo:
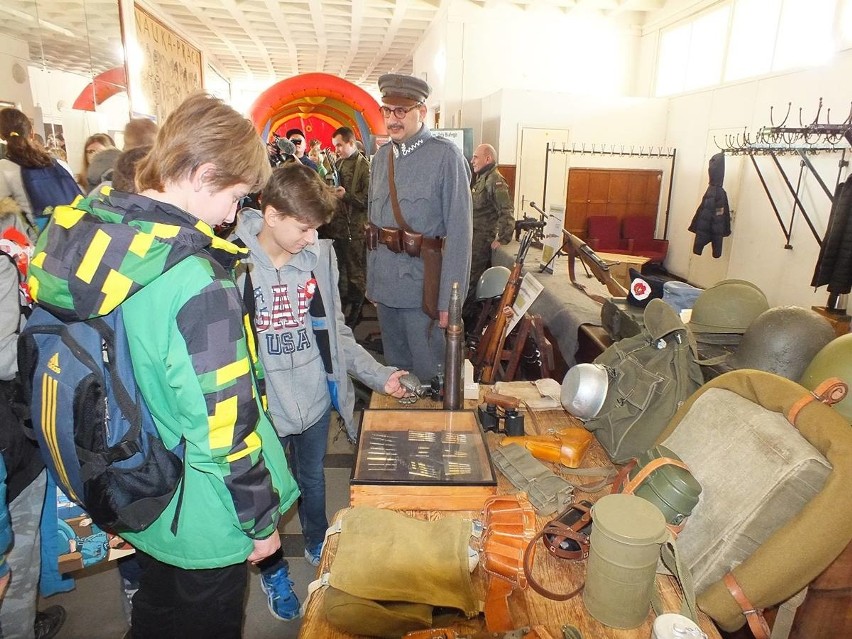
[
  {"x": 48, "y": 187},
  {"x": 95, "y": 431}
]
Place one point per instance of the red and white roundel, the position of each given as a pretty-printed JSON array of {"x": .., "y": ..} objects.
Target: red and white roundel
[{"x": 640, "y": 289}]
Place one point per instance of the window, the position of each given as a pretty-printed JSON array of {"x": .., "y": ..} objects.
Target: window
[
  {"x": 752, "y": 39},
  {"x": 805, "y": 34},
  {"x": 691, "y": 55}
]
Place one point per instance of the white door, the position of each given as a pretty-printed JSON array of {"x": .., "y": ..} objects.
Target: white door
[
  {"x": 704, "y": 269},
  {"x": 531, "y": 161}
]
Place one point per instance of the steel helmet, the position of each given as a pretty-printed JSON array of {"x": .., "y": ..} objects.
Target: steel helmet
[
  {"x": 584, "y": 390},
  {"x": 834, "y": 360},
  {"x": 492, "y": 282},
  {"x": 783, "y": 340},
  {"x": 725, "y": 310}
]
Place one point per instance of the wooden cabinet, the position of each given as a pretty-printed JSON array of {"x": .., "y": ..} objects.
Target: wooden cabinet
[{"x": 616, "y": 192}]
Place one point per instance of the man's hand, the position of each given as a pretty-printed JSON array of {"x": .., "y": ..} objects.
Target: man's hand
[
  {"x": 495, "y": 245},
  {"x": 393, "y": 387},
  {"x": 339, "y": 192},
  {"x": 264, "y": 547},
  {"x": 443, "y": 318}
]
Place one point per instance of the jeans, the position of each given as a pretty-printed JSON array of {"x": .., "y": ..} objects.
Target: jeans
[{"x": 305, "y": 454}]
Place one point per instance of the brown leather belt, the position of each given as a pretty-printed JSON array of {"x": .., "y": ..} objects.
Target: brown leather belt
[{"x": 399, "y": 240}]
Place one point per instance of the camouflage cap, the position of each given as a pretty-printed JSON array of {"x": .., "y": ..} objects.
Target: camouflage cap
[{"x": 395, "y": 85}]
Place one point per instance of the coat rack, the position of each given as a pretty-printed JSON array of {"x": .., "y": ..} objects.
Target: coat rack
[
  {"x": 804, "y": 140},
  {"x": 632, "y": 151}
]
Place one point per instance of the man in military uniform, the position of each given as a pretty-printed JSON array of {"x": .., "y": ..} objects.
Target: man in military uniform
[
  {"x": 493, "y": 214},
  {"x": 347, "y": 226},
  {"x": 431, "y": 179}
]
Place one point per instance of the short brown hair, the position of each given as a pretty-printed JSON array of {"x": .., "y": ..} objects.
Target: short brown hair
[
  {"x": 297, "y": 191},
  {"x": 139, "y": 132},
  {"x": 346, "y": 134},
  {"x": 205, "y": 129},
  {"x": 124, "y": 171}
]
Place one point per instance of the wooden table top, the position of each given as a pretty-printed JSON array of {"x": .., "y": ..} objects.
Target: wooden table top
[{"x": 528, "y": 607}]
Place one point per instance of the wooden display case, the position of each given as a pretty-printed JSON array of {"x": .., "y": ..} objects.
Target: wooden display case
[{"x": 422, "y": 460}]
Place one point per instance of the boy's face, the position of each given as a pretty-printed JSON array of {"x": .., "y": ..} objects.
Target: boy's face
[
  {"x": 217, "y": 207},
  {"x": 290, "y": 234}
]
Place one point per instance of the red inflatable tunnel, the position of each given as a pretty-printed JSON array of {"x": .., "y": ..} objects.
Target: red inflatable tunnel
[
  {"x": 311, "y": 88},
  {"x": 103, "y": 86}
]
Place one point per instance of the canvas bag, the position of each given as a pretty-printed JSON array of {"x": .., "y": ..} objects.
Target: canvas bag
[
  {"x": 775, "y": 465},
  {"x": 390, "y": 571},
  {"x": 650, "y": 375}
]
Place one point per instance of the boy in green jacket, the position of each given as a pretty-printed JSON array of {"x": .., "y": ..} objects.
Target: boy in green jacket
[{"x": 155, "y": 254}]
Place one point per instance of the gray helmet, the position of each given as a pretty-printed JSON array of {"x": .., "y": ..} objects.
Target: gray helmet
[
  {"x": 834, "y": 360},
  {"x": 492, "y": 282},
  {"x": 584, "y": 390},
  {"x": 726, "y": 310},
  {"x": 783, "y": 340}
]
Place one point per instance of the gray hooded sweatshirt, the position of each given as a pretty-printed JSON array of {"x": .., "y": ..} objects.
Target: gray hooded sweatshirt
[{"x": 297, "y": 386}]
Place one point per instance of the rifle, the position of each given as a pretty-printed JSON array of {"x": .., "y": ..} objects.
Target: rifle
[
  {"x": 591, "y": 261},
  {"x": 487, "y": 356}
]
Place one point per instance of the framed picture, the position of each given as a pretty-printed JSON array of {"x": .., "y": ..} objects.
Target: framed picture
[{"x": 171, "y": 68}]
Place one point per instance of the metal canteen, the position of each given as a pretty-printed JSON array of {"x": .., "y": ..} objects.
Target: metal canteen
[{"x": 584, "y": 390}]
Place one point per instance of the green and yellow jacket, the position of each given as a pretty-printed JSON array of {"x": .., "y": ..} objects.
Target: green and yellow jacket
[{"x": 193, "y": 359}]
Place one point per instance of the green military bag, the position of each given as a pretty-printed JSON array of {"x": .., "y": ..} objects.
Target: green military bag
[{"x": 650, "y": 375}]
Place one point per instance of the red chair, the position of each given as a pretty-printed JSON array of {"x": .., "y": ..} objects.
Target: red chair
[
  {"x": 639, "y": 233},
  {"x": 603, "y": 234}
]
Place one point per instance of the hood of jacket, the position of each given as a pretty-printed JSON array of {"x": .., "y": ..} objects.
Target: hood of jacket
[
  {"x": 250, "y": 224},
  {"x": 716, "y": 169},
  {"x": 97, "y": 253}
]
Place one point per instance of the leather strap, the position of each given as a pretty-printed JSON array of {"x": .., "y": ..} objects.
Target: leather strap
[
  {"x": 754, "y": 617},
  {"x": 829, "y": 392},
  {"x": 632, "y": 484},
  {"x": 397, "y": 213},
  {"x": 529, "y": 558},
  {"x": 556, "y": 531}
]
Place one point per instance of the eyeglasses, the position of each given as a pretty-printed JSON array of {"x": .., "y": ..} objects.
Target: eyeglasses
[
  {"x": 296, "y": 141},
  {"x": 399, "y": 112}
]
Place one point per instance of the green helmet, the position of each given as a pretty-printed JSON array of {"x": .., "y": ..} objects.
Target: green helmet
[
  {"x": 834, "y": 360},
  {"x": 783, "y": 340},
  {"x": 492, "y": 282},
  {"x": 726, "y": 309}
]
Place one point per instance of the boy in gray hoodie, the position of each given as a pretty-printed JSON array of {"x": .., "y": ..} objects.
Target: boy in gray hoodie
[{"x": 307, "y": 351}]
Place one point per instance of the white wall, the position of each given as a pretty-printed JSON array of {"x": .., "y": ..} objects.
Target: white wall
[
  {"x": 756, "y": 247},
  {"x": 15, "y": 52}
]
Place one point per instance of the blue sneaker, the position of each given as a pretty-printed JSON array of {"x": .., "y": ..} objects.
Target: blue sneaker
[
  {"x": 314, "y": 554},
  {"x": 280, "y": 596}
]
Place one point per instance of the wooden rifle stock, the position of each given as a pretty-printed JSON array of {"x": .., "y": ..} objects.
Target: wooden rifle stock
[
  {"x": 487, "y": 356},
  {"x": 577, "y": 248}
]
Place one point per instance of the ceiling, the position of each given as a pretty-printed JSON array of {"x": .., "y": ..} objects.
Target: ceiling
[{"x": 259, "y": 40}]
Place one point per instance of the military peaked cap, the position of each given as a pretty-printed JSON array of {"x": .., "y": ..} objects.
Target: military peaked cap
[{"x": 395, "y": 85}]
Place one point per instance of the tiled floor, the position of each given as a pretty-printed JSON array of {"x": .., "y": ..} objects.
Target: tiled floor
[{"x": 94, "y": 609}]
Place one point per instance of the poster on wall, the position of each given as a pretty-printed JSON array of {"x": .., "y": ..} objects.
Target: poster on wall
[{"x": 171, "y": 67}]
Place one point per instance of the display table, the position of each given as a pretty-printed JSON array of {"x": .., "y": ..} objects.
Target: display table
[{"x": 527, "y": 607}]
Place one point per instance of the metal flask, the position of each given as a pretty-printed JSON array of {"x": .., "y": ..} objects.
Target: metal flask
[
  {"x": 624, "y": 549},
  {"x": 670, "y": 488}
]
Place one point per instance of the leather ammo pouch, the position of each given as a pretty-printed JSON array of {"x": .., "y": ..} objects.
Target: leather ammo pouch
[
  {"x": 372, "y": 236},
  {"x": 429, "y": 249},
  {"x": 391, "y": 238},
  {"x": 390, "y": 571}
]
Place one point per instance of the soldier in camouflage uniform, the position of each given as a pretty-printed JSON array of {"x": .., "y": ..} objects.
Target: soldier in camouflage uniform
[
  {"x": 493, "y": 214},
  {"x": 347, "y": 226}
]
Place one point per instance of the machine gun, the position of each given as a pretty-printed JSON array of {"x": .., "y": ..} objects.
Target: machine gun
[
  {"x": 591, "y": 261},
  {"x": 486, "y": 359}
]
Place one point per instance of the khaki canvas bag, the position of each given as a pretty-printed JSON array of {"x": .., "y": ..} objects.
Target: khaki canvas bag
[{"x": 775, "y": 466}]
